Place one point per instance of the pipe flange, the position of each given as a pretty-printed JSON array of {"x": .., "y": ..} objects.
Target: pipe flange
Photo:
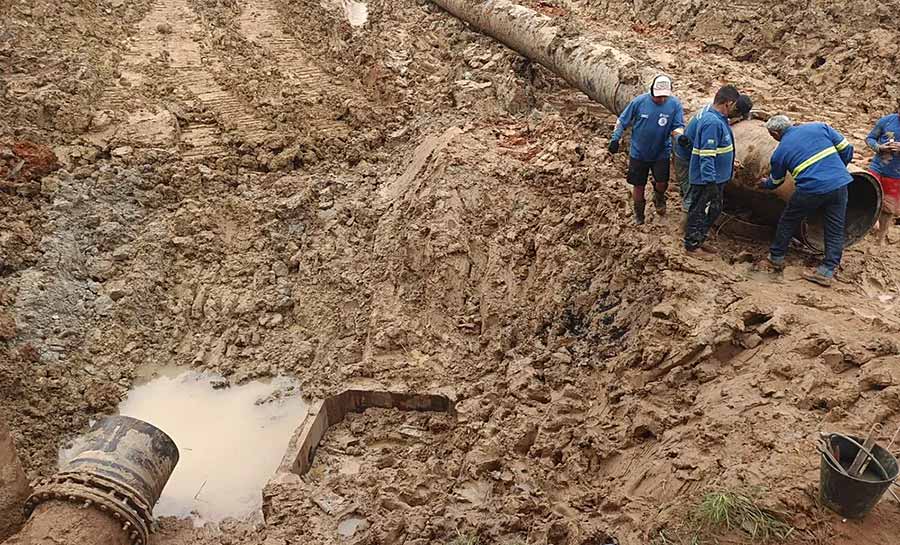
[{"x": 91, "y": 490}]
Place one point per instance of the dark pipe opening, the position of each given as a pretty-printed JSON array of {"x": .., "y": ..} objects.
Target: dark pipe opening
[
  {"x": 863, "y": 208},
  {"x": 762, "y": 208}
]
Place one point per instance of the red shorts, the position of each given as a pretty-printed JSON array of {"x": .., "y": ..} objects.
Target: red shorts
[{"x": 891, "y": 189}]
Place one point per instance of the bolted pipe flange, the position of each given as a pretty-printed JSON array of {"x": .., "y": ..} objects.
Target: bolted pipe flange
[{"x": 88, "y": 490}]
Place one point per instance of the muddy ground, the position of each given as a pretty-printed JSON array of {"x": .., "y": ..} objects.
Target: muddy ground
[{"x": 259, "y": 188}]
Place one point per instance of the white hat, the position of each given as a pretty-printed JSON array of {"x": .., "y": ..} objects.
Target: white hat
[{"x": 661, "y": 87}]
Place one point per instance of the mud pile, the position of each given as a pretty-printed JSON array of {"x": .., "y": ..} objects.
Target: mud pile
[
  {"x": 265, "y": 189},
  {"x": 823, "y": 45}
]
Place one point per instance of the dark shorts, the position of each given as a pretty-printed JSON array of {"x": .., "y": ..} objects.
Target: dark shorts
[{"x": 638, "y": 171}]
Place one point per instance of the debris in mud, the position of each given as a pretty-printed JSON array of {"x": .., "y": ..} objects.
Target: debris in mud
[{"x": 26, "y": 161}]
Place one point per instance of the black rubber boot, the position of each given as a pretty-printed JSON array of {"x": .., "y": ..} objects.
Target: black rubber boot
[
  {"x": 659, "y": 201},
  {"x": 639, "y": 212}
]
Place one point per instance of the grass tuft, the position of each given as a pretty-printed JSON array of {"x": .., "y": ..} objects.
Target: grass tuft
[
  {"x": 727, "y": 510},
  {"x": 465, "y": 539}
]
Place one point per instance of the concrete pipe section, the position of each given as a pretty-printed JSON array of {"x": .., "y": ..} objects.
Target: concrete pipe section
[
  {"x": 753, "y": 150},
  {"x": 14, "y": 487},
  {"x": 105, "y": 493}
]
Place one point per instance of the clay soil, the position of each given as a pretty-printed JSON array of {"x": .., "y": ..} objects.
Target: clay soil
[{"x": 257, "y": 188}]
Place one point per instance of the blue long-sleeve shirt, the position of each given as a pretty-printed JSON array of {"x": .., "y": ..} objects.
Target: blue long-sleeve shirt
[
  {"x": 815, "y": 155},
  {"x": 652, "y": 126},
  {"x": 712, "y": 154},
  {"x": 684, "y": 152},
  {"x": 886, "y": 130}
]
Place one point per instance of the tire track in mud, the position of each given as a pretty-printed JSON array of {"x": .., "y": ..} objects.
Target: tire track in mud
[
  {"x": 260, "y": 23},
  {"x": 173, "y": 30}
]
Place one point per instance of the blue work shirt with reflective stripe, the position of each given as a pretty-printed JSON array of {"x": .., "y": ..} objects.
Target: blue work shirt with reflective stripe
[
  {"x": 815, "y": 155},
  {"x": 684, "y": 152},
  {"x": 886, "y": 130},
  {"x": 652, "y": 124},
  {"x": 712, "y": 155}
]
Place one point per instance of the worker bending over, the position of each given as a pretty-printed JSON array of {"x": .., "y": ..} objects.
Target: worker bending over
[
  {"x": 816, "y": 157},
  {"x": 885, "y": 166},
  {"x": 654, "y": 118},
  {"x": 711, "y": 167}
]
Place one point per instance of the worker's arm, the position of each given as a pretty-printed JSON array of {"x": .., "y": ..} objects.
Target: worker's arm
[
  {"x": 778, "y": 170},
  {"x": 678, "y": 121},
  {"x": 844, "y": 147},
  {"x": 706, "y": 146},
  {"x": 624, "y": 120},
  {"x": 872, "y": 139}
]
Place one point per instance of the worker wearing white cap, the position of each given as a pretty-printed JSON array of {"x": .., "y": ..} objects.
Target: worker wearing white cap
[{"x": 654, "y": 117}]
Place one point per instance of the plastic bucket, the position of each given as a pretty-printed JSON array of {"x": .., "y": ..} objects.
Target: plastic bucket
[{"x": 853, "y": 497}]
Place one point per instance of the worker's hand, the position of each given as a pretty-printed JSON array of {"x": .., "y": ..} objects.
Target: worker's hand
[
  {"x": 893, "y": 147},
  {"x": 614, "y": 146},
  {"x": 763, "y": 183},
  {"x": 684, "y": 141}
]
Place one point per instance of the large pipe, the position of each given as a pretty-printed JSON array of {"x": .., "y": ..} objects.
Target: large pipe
[
  {"x": 105, "y": 492},
  {"x": 14, "y": 487},
  {"x": 607, "y": 75},
  {"x": 764, "y": 207}
]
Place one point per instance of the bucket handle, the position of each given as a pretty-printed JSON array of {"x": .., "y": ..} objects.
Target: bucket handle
[{"x": 866, "y": 451}]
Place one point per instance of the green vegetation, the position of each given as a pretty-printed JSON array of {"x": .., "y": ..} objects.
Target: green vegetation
[
  {"x": 465, "y": 539},
  {"x": 722, "y": 512},
  {"x": 728, "y": 510}
]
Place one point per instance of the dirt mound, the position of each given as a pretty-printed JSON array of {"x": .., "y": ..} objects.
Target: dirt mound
[{"x": 819, "y": 45}]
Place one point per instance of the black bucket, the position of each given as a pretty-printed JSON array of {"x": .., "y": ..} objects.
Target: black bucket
[{"x": 853, "y": 497}]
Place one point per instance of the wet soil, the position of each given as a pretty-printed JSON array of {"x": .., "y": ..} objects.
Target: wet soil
[{"x": 261, "y": 188}]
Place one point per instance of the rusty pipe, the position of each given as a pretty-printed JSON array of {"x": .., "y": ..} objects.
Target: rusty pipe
[
  {"x": 753, "y": 151},
  {"x": 14, "y": 487},
  {"x": 106, "y": 488},
  {"x": 607, "y": 75}
]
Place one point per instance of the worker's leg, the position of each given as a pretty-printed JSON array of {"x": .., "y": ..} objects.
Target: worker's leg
[
  {"x": 835, "y": 212},
  {"x": 798, "y": 207},
  {"x": 695, "y": 233},
  {"x": 885, "y": 221},
  {"x": 638, "y": 172},
  {"x": 682, "y": 172},
  {"x": 717, "y": 192},
  {"x": 661, "y": 172}
]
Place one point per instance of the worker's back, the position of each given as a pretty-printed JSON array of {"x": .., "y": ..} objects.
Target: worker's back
[{"x": 816, "y": 156}]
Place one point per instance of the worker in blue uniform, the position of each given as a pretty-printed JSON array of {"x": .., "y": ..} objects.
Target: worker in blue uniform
[
  {"x": 711, "y": 167},
  {"x": 681, "y": 150},
  {"x": 654, "y": 118},
  {"x": 816, "y": 157},
  {"x": 884, "y": 140}
]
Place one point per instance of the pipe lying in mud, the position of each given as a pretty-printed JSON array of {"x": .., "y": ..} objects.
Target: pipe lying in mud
[
  {"x": 13, "y": 485},
  {"x": 105, "y": 493},
  {"x": 612, "y": 78},
  {"x": 754, "y": 154},
  {"x": 607, "y": 75}
]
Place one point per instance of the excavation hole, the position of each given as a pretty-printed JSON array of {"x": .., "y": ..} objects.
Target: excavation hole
[{"x": 231, "y": 439}]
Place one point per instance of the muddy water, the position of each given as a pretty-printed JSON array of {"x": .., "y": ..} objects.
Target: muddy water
[{"x": 231, "y": 439}]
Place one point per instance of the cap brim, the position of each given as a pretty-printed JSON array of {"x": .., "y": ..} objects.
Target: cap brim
[{"x": 662, "y": 93}]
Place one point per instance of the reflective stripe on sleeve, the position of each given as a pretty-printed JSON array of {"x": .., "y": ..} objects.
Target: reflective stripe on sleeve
[
  {"x": 713, "y": 152},
  {"x": 813, "y": 160}
]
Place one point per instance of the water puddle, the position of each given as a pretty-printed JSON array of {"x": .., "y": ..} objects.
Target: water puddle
[
  {"x": 231, "y": 438},
  {"x": 357, "y": 13}
]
